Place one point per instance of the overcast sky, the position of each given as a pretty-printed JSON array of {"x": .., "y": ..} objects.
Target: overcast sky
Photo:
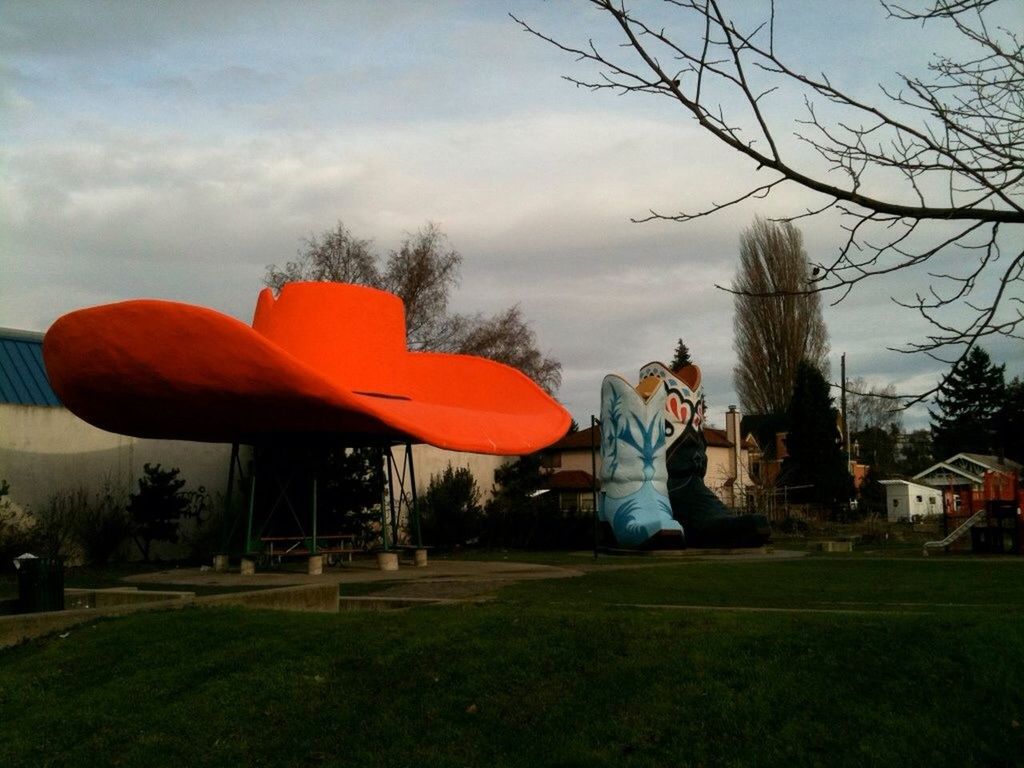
[{"x": 175, "y": 149}]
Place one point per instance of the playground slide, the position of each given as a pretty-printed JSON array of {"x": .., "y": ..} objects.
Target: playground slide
[{"x": 957, "y": 533}]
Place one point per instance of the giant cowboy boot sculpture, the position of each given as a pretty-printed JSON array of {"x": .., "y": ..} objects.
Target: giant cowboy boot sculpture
[
  {"x": 707, "y": 521},
  {"x": 634, "y": 507}
]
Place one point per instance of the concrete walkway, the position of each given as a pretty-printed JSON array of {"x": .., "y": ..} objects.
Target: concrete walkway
[{"x": 439, "y": 578}]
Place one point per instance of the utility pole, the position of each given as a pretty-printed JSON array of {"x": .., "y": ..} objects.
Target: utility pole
[{"x": 842, "y": 406}]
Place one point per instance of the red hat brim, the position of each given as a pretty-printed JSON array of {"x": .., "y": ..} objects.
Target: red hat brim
[{"x": 161, "y": 369}]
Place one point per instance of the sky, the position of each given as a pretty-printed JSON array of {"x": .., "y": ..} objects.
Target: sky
[{"x": 174, "y": 150}]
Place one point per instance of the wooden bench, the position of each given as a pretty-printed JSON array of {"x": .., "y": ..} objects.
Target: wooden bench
[{"x": 278, "y": 546}]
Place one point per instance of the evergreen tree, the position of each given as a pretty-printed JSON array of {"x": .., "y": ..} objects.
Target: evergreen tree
[
  {"x": 1010, "y": 421},
  {"x": 813, "y": 443},
  {"x": 877, "y": 447},
  {"x": 160, "y": 505},
  {"x": 451, "y": 511},
  {"x": 517, "y": 515},
  {"x": 681, "y": 359},
  {"x": 967, "y": 404},
  {"x": 348, "y": 491}
]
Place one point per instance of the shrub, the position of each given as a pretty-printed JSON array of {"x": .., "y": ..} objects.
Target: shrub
[
  {"x": 348, "y": 495},
  {"x": 450, "y": 511},
  {"x": 205, "y": 536},
  {"x": 102, "y": 528},
  {"x": 54, "y": 534},
  {"x": 791, "y": 526},
  {"x": 157, "y": 510},
  {"x": 522, "y": 514},
  {"x": 16, "y": 525}
]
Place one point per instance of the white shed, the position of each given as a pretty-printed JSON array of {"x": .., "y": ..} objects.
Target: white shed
[{"x": 908, "y": 501}]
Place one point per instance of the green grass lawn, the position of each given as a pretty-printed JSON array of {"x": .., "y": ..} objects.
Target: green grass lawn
[{"x": 926, "y": 669}]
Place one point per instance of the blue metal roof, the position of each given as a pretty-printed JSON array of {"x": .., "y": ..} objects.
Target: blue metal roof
[{"x": 23, "y": 379}]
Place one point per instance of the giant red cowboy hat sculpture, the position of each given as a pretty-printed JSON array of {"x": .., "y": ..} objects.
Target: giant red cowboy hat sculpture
[{"x": 321, "y": 358}]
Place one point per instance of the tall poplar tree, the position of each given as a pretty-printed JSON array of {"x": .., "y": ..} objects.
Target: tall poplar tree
[{"x": 776, "y": 322}]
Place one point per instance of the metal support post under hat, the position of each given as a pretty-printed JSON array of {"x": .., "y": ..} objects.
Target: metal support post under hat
[
  {"x": 252, "y": 504},
  {"x": 312, "y": 549},
  {"x": 391, "y": 487},
  {"x": 383, "y": 511},
  {"x": 594, "y": 424},
  {"x": 415, "y": 501}
]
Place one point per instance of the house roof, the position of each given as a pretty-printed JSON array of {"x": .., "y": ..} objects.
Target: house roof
[
  {"x": 23, "y": 379},
  {"x": 578, "y": 440},
  {"x": 581, "y": 440},
  {"x": 990, "y": 462},
  {"x": 897, "y": 481},
  {"x": 717, "y": 438},
  {"x": 570, "y": 480},
  {"x": 946, "y": 472},
  {"x": 763, "y": 428}
]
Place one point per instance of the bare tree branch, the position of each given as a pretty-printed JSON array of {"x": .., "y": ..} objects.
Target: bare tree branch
[
  {"x": 900, "y": 173},
  {"x": 422, "y": 272}
]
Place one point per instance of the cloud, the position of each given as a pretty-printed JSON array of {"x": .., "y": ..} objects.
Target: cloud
[{"x": 175, "y": 150}]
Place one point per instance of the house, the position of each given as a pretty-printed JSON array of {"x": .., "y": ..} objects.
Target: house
[
  {"x": 574, "y": 459},
  {"x": 768, "y": 450},
  {"x": 966, "y": 470},
  {"x": 906, "y": 501},
  {"x": 966, "y": 477},
  {"x": 571, "y": 462}
]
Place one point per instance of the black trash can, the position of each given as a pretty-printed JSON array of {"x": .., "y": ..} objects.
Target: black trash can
[{"x": 40, "y": 584}]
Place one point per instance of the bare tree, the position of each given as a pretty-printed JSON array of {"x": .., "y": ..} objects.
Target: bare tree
[
  {"x": 507, "y": 337},
  {"x": 423, "y": 272},
  {"x": 872, "y": 407},
  {"x": 927, "y": 177},
  {"x": 776, "y": 325},
  {"x": 335, "y": 256}
]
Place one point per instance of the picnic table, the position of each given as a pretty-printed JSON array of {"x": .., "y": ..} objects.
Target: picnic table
[{"x": 299, "y": 545}]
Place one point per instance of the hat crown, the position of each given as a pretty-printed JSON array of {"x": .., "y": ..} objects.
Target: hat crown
[{"x": 341, "y": 329}]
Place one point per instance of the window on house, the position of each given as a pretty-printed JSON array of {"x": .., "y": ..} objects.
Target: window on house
[
  {"x": 895, "y": 502},
  {"x": 551, "y": 460},
  {"x": 919, "y": 499},
  {"x": 931, "y": 500}
]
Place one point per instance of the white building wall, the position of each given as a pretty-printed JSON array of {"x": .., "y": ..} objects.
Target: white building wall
[
  {"x": 44, "y": 450},
  {"x": 580, "y": 460},
  {"x": 430, "y": 461},
  {"x": 912, "y": 500}
]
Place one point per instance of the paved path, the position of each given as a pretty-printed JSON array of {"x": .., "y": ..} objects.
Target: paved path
[
  {"x": 438, "y": 578},
  {"x": 441, "y": 578}
]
